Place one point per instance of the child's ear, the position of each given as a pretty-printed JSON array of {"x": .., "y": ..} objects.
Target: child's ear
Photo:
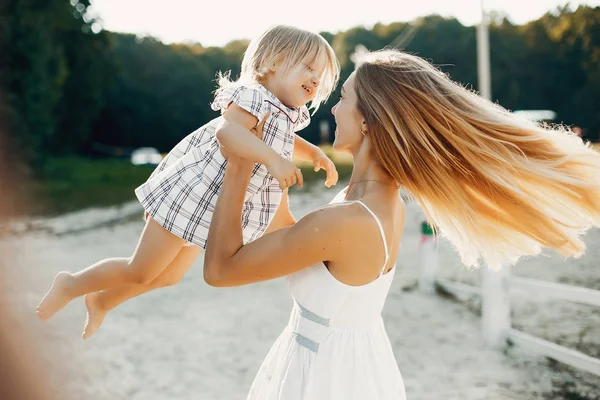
[{"x": 275, "y": 64}]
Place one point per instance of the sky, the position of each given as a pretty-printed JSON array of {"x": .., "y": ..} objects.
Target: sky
[{"x": 215, "y": 23}]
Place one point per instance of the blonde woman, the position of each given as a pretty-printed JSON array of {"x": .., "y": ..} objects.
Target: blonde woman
[
  {"x": 496, "y": 186},
  {"x": 283, "y": 70}
]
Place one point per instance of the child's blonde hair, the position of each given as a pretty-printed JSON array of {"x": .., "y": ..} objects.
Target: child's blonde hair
[
  {"x": 289, "y": 46},
  {"x": 496, "y": 185}
]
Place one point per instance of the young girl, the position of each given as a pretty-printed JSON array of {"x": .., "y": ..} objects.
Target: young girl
[{"x": 282, "y": 70}]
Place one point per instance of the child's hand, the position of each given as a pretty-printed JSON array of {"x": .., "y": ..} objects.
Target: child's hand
[
  {"x": 321, "y": 161},
  {"x": 286, "y": 172}
]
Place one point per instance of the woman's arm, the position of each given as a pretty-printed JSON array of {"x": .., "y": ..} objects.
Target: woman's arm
[{"x": 316, "y": 237}]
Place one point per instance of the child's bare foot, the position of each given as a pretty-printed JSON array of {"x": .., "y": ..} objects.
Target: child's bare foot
[
  {"x": 56, "y": 298},
  {"x": 95, "y": 315}
]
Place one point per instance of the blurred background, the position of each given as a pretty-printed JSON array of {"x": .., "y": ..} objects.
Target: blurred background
[
  {"x": 94, "y": 93},
  {"x": 80, "y": 98}
]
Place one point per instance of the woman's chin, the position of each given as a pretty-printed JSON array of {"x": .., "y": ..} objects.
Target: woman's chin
[{"x": 337, "y": 145}]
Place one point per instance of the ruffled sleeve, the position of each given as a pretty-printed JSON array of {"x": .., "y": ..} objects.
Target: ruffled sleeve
[{"x": 249, "y": 99}]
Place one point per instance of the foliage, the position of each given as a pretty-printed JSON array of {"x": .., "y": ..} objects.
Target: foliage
[{"x": 69, "y": 88}]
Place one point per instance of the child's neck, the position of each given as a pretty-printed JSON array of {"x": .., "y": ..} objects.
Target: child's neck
[{"x": 271, "y": 87}]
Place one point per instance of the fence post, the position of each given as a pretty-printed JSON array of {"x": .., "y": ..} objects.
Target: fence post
[
  {"x": 495, "y": 309},
  {"x": 429, "y": 258}
]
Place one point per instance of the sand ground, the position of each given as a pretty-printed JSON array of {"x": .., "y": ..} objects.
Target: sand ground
[{"x": 192, "y": 341}]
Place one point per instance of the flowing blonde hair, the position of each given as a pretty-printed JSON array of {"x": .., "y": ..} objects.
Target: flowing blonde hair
[
  {"x": 290, "y": 46},
  {"x": 496, "y": 185}
]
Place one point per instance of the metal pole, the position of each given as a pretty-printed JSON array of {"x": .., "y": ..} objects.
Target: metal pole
[
  {"x": 483, "y": 56},
  {"x": 495, "y": 313},
  {"x": 429, "y": 258}
]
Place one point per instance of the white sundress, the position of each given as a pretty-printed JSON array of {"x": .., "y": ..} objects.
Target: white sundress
[{"x": 335, "y": 346}]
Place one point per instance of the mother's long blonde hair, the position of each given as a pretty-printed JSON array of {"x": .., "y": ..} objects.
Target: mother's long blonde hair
[{"x": 496, "y": 185}]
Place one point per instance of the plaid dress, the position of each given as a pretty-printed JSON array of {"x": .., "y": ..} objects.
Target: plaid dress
[{"x": 182, "y": 192}]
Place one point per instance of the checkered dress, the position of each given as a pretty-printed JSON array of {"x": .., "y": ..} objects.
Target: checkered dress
[{"x": 182, "y": 192}]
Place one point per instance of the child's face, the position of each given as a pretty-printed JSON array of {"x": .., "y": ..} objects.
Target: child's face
[{"x": 298, "y": 85}]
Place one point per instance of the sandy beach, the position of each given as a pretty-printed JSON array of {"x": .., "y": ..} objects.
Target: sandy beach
[{"x": 192, "y": 341}]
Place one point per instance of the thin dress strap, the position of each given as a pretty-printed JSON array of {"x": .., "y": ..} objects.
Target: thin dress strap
[{"x": 385, "y": 246}]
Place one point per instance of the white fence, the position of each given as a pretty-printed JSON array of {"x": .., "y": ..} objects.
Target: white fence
[{"x": 495, "y": 293}]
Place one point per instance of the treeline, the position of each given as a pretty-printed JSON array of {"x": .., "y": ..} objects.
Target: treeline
[{"x": 70, "y": 88}]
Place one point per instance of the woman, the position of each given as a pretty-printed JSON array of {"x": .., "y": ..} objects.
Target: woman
[{"x": 495, "y": 185}]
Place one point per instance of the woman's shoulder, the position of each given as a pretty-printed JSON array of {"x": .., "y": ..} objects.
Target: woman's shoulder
[
  {"x": 350, "y": 217},
  {"x": 336, "y": 232},
  {"x": 344, "y": 218}
]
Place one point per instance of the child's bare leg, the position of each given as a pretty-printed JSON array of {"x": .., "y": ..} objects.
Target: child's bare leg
[
  {"x": 283, "y": 217},
  {"x": 156, "y": 249},
  {"x": 99, "y": 303}
]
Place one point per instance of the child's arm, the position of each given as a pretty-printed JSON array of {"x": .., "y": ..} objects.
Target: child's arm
[
  {"x": 235, "y": 137},
  {"x": 304, "y": 150}
]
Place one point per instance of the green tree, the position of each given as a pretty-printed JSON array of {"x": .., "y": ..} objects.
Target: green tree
[
  {"x": 90, "y": 74},
  {"x": 34, "y": 72},
  {"x": 162, "y": 92},
  {"x": 52, "y": 77}
]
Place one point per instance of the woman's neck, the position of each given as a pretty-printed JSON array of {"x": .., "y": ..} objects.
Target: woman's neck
[{"x": 367, "y": 176}]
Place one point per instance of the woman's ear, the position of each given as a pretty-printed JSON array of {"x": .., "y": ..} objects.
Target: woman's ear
[{"x": 363, "y": 128}]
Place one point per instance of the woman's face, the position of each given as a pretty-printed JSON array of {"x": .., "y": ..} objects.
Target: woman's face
[{"x": 348, "y": 120}]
